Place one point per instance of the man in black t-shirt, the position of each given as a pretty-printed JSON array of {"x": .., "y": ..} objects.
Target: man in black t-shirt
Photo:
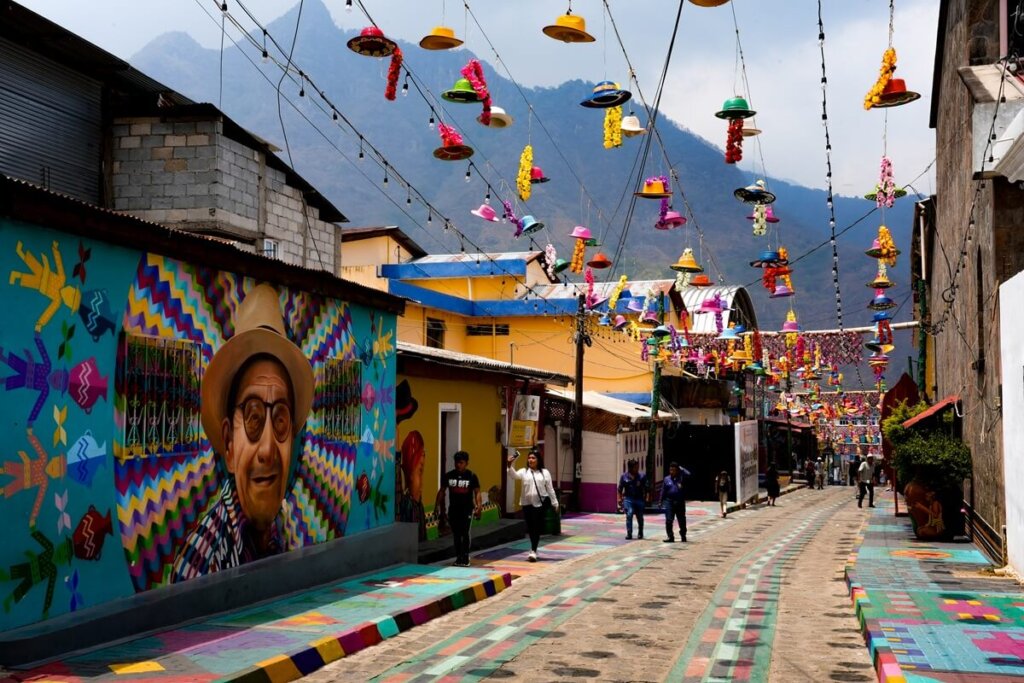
[{"x": 463, "y": 504}]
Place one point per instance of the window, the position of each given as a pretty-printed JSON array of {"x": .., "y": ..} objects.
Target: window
[
  {"x": 435, "y": 333},
  {"x": 487, "y": 330},
  {"x": 158, "y": 380},
  {"x": 339, "y": 395}
]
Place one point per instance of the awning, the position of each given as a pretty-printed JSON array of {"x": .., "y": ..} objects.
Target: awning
[
  {"x": 941, "y": 405},
  {"x": 599, "y": 401},
  {"x": 791, "y": 424}
]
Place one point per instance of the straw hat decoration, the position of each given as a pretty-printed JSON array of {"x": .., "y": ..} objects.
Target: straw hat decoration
[
  {"x": 451, "y": 148},
  {"x": 474, "y": 73},
  {"x": 569, "y": 29},
  {"x": 440, "y": 38},
  {"x": 735, "y": 109},
  {"x": 755, "y": 194},
  {"x": 631, "y": 126},
  {"x": 371, "y": 42}
]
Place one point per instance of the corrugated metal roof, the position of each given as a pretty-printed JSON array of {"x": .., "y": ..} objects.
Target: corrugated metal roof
[
  {"x": 735, "y": 297},
  {"x": 526, "y": 256},
  {"x": 458, "y": 359},
  {"x": 609, "y": 404},
  {"x": 392, "y": 231}
]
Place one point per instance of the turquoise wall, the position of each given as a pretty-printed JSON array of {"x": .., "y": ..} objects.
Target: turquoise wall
[{"x": 104, "y": 468}]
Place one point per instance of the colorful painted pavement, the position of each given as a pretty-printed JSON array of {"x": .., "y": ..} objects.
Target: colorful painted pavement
[
  {"x": 733, "y": 637},
  {"x": 930, "y": 611},
  {"x": 285, "y": 639}
]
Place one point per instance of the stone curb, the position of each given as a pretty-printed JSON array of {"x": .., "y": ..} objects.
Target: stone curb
[
  {"x": 790, "y": 488},
  {"x": 293, "y": 666}
]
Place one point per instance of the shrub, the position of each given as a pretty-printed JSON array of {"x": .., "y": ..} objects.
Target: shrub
[{"x": 932, "y": 456}]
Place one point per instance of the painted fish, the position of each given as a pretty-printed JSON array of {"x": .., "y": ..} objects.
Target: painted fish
[
  {"x": 96, "y": 314},
  {"x": 87, "y": 385},
  {"x": 363, "y": 487},
  {"x": 366, "y": 444},
  {"x": 85, "y": 457},
  {"x": 90, "y": 533}
]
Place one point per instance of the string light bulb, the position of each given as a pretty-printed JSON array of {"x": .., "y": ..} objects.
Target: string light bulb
[
  {"x": 348, "y": 6},
  {"x": 468, "y": 174},
  {"x": 487, "y": 197},
  {"x": 266, "y": 55},
  {"x": 361, "y": 155},
  {"x": 430, "y": 124},
  {"x": 385, "y": 173},
  {"x": 430, "y": 216},
  {"x": 405, "y": 86}
]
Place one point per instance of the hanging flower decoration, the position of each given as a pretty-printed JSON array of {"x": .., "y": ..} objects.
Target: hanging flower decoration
[
  {"x": 884, "y": 76},
  {"x": 613, "y": 300},
  {"x": 449, "y": 136},
  {"x": 886, "y": 247},
  {"x": 550, "y": 256},
  {"x": 578, "y": 254},
  {"x": 886, "y": 190},
  {"x": 734, "y": 142},
  {"x": 510, "y": 215},
  {"x": 612, "y": 127},
  {"x": 588, "y": 277},
  {"x": 523, "y": 178},
  {"x": 474, "y": 73},
  {"x": 760, "y": 220},
  {"x": 884, "y": 331},
  {"x": 394, "y": 70},
  {"x": 682, "y": 280},
  {"x": 756, "y": 349},
  {"x": 663, "y": 212}
]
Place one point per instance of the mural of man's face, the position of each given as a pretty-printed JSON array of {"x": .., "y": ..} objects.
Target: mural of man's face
[{"x": 258, "y": 438}]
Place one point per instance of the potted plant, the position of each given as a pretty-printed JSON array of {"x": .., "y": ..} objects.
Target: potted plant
[{"x": 931, "y": 464}]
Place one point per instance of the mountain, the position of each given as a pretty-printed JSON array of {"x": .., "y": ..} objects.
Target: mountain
[{"x": 399, "y": 129}]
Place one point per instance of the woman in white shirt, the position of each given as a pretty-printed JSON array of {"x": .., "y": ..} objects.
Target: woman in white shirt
[{"x": 537, "y": 492}]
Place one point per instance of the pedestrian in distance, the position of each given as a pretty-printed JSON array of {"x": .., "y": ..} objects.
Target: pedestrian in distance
[
  {"x": 865, "y": 481},
  {"x": 674, "y": 502},
  {"x": 809, "y": 473},
  {"x": 819, "y": 473},
  {"x": 771, "y": 483},
  {"x": 633, "y": 495},
  {"x": 723, "y": 485},
  {"x": 535, "y": 497},
  {"x": 463, "y": 489}
]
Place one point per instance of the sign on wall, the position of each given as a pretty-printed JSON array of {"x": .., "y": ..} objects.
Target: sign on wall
[{"x": 746, "y": 460}]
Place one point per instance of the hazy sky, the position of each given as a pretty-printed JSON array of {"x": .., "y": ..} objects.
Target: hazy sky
[{"x": 779, "y": 41}]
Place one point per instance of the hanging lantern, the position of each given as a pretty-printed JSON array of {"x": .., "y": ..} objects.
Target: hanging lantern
[
  {"x": 451, "y": 148},
  {"x": 371, "y": 42}
]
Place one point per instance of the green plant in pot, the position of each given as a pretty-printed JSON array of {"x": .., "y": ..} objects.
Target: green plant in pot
[{"x": 932, "y": 465}]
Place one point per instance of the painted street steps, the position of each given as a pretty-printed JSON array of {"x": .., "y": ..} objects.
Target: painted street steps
[
  {"x": 285, "y": 639},
  {"x": 933, "y": 611}
]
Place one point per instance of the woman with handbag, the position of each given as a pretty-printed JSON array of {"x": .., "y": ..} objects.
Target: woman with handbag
[{"x": 536, "y": 496}]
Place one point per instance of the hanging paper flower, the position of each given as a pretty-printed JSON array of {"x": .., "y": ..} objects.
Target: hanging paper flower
[
  {"x": 682, "y": 281},
  {"x": 510, "y": 215},
  {"x": 393, "y": 72},
  {"x": 523, "y": 178},
  {"x": 449, "y": 136},
  {"x": 760, "y": 220},
  {"x": 886, "y": 189},
  {"x": 612, "y": 127},
  {"x": 756, "y": 350},
  {"x": 884, "y": 76},
  {"x": 663, "y": 209},
  {"x": 578, "y": 253},
  {"x": 613, "y": 300},
  {"x": 550, "y": 256},
  {"x": 474, "y": 73},
  {"x": 886, "y": 247},
  {"x": 734, "y": 142},
  {"x": 588, "y": 277}
]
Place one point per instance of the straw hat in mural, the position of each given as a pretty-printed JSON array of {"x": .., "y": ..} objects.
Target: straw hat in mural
[{"x": 259, "y": 329}]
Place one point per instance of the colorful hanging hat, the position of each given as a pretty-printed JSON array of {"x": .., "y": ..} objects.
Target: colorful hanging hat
[
  {"x": 895, "y": 93},
  {"x": 593, "y": 242},
  {"x": 372, "y": 42},
  {"x": 499, "y": 118},
  {"x": 751, "y": 132},
  {"x": 537, "y": 175},
  {"x": 661, "y": 331},
  {"x": 878, "y": 347},
  {"x": 580, "y": 233},
  {"x": 755, "y": 194},
  {"x": 620, "y": 322},
  {"x": 709, "y": 3},
  {"x": 781, "y": 291},
  {"x": 756, "y": 368},
  {"x": 735, "y": 108},
  {"x": 440, "y": 38},
  {"x": 486, "y": 212},
  {"x": 878, "y": 359},
  {"x": 687, "y": 263},
  {"x": 635, "y": 304},
  {"x": 560, "y": 265},
  {"x": 569, "y": 29},
  {"x": 672, "y": 219},
  {"x": 451, "y": 148},
  {"x": 604, "y": 321},
  {"x": 879, "y": 316},
  {"x": 876, "y": 249},
  {"x": 529, "y": 225},
  {"x": 741, "y": 355},
  {"x": 731, "y": 334},
  {"x": 881, "y": 281},
  {"x": 791, "y": 326},
  {"x": 650, "y": 318},
  {"x": 701, "y": 280},
  {"x": 881, "y": 302},
  {"x": 600, "y": 261},
  {"x": 712, "y": 305},
  {"x": 769, "y": 215},
  {"x": 631, "y": 126},
  {"x": 597, "y": 302},
  {"x": 606, "y": 94},
  {"x": 654, "y": 188},
  {"x": 769, "y": 259},
  {"x": 462, "y": 92}
]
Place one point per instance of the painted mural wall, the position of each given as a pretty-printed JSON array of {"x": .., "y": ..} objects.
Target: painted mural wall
[{"x": 109, "y": 484}]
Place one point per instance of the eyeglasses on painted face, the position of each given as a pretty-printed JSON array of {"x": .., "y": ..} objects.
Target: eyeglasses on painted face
[{"x": 254, "y": 417}]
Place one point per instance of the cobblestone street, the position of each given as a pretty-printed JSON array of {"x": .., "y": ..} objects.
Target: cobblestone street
[{"x": 756, "y": 596}]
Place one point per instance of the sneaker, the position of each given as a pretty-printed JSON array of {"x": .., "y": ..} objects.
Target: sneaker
[
  {"x": 669, "y": 540},
  {"x": 532, "y": 557},
  {"x": 629, "y": 537},
  {"x": 640, "y": 537}
]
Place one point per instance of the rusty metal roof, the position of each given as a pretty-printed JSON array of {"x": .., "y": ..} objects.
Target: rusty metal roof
[{"x": 465, "y": 360}]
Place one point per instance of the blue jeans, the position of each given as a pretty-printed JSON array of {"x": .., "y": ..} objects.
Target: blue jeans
[
  {"x": 634, "y": 506},
  {"x": 675, "y": 509}
]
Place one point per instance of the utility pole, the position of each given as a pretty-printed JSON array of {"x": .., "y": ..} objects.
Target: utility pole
[
  {"x": 652, "y": 430},
  {"x": 582, "y": 339}
]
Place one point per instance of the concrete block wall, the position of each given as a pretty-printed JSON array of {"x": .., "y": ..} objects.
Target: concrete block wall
[{"x": 189, "y": 175}]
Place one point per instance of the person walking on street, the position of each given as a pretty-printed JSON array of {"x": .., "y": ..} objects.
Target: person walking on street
[
  {"x": 463, "y": 489},
  {"x": 633, "y": 497},
  {"x": 809, "y": 473},
  {"x": 723, "y": 485},
  {"x": 819, "y": 474},
  {"x": 673, "y": 502},
  {"x": 771, "y": 483},
  {"x": 865, "y": 477},
  {"x": 535, "y": 497}
]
